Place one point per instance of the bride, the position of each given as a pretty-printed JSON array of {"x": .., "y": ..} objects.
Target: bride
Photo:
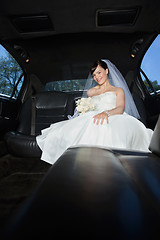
[{"x": 113, "y": 123}]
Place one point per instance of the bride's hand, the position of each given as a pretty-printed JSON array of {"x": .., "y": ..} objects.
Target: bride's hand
[{"x": 99, "y": 118}]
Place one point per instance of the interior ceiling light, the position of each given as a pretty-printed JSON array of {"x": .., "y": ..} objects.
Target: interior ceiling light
[
  {"x": 136, "y": 47},
  {"x": 22, "y": 53},
  {"x": 27, "y": 60}
]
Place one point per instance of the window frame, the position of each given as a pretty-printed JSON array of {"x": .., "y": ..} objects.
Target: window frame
[{"x": 144, "y": 74}]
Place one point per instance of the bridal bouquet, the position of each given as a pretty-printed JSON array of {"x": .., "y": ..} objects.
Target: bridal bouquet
[{"x": 84, "y": 105}]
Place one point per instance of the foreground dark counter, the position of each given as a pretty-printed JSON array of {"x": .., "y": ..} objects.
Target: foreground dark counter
[{"x": 96, "y": 193}]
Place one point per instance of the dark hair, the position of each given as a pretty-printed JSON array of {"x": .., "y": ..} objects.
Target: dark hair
[{"x": 95, "y": 65}]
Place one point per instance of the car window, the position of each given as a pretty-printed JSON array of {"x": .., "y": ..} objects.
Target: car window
[
  {"x": 150, "y": 70},
  {"x": 66, "y": 85},
  {"x": 11, "y": 75}
]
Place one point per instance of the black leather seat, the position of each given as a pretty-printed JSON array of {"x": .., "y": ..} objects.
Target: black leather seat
[
  {"x": 37, "y": 113},
  {"x": 48, "y": 108}
]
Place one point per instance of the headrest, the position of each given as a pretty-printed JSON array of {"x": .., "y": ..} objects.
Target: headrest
[
  {"x": 154, "y": 146},
  {"x": 52, "y": 99}
]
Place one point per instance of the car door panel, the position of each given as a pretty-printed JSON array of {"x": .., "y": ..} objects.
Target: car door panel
[{"x": 9, "y": 110}]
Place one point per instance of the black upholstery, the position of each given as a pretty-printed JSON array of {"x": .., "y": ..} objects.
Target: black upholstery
[
  {"x": 141, "y": 108},
  {"x": 94, "y": 193},
  {"x": 50, "y": 107},
  {"x": 22, "y": 145},
  {"x": 155, "y": 141},
  {"x": 133, "y": 87}
]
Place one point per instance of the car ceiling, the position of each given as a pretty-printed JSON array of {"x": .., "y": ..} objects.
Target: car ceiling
[
  {"x": 64, "y": 18},
  {"x": 77, "y": 16}
]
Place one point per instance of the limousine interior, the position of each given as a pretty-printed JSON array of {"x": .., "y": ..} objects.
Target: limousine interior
[{"x": 50, "y": 47}]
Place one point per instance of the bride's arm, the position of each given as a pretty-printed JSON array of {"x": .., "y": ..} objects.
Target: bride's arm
[{"x": 120, "y": 104}]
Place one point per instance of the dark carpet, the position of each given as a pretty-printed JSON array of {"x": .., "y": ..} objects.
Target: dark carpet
[{"x": 19, "y": 177}]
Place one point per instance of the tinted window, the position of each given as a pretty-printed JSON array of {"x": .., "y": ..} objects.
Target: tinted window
[
  {"x": 150, "y": 67},
  {"x": 66, "y": 85},
  {"x": 11, "y": 75}
]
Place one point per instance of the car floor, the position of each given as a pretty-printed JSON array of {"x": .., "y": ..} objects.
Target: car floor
[{"x": 18, "y": 179}]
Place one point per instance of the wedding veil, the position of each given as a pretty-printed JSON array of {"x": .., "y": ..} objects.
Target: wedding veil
[{"x": 116, "y": 79}]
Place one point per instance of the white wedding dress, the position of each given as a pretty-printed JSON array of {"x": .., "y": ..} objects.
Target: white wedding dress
[{"x": 122, "y": 132}]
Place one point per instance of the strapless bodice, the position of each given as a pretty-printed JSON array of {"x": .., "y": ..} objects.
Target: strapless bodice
[{"x": 105, "y": 101}]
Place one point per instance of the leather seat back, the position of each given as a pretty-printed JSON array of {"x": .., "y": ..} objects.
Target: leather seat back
[
  {"x": 155, "y": 141},
  {"x": 50, "y": 107}
]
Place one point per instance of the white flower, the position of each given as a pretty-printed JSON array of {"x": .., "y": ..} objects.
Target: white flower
[{"x": 84, "y": 105}]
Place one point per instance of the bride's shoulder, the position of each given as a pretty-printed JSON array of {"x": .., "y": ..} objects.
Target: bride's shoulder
[
  {"x": 92, "y": 91},
  {"x": 119, "y": 90}
]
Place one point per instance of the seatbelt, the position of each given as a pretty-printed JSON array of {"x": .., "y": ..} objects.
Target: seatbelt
[{"x": 33, "y": 116}]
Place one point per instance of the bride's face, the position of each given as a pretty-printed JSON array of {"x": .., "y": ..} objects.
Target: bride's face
[{"x": 100, "y": 75}]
